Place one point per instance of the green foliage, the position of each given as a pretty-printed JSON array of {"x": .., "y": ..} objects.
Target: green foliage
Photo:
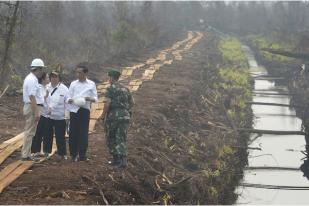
[
  {"x": 232, "y": 87},
  {"x": 234, "y": 78},
  {"x": 225, "y": 151},
  {"x": 231, "y": 51},
  {"x": 270, "y": 41},
  {"x": 213, "y": 192}
]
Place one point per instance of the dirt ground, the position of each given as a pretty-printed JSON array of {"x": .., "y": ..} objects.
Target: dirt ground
[
  {"x": 168, "y": 129},
  {"x": 10, "y": 116}
]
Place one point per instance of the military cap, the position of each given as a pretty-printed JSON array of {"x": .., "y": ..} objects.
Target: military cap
[{"x": 114, "y": 73}]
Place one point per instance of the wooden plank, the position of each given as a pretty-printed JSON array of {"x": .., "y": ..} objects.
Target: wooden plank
[
  {"x": 11, "y": 172},
  {"x": 148, "y": 72},
  {"x": 276, "y": 187},
  {"x": 271, "y": 104},
  {"x": 20, "y": 169},
  {"x": 151, "y": 61},
  {"x": 273, "y": 89},
  {"x": 275, "y": 132},
  {"x": 92, "y": 123},
  {"x": 127, "y": 72},
  {"x": 54, "y": 150},
  {"x": 136, "y": 82},
  {"x": 134, "y": 88},
  {"x": 103, "y": 86},
  {"x": 14, "y": 139},
  {"x": 269, "y": 93},
  {"x": 272, "y": 168},
  {"x": 157, "y": 66},
  {"x": 5, "y": 153},
  {"x": 269, "y": 78},
  {"x": 2, "y": 146},
  {"x": 7, "y": 170}
]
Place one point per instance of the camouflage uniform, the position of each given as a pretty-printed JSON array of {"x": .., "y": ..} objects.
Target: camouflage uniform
[{"x": 118, "y": 117}]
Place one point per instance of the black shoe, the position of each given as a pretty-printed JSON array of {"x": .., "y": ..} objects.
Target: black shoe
[
  {"x": 123, "y": 162},
  {"x": 64, "y": 157},
  {"x": 34, "y": 159},
  {"x": 83, "y": 159},
  {"x": 74, "y": 159},
  {"x": 116, "y": 161},
  {"x": 26, "y": 159},
  {"x": 46, "y": 155}
]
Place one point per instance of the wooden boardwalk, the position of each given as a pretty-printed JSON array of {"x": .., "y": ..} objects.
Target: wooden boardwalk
[{"x": 133, "y": 77}]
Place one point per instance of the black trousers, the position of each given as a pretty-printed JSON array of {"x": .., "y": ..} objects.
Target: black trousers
[
  {"x": 78, "y": 134},
  {"x": 56, "y": 127},
  {"x": 39, "y": 135}
]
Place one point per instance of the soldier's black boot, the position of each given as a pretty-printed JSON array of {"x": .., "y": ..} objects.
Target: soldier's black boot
[
  {"x": 123, "y": 162},
  {"x": 116, "y": 160}
]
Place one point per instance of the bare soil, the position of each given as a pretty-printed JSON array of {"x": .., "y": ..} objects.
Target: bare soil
[{"x": 173, "y": 150}]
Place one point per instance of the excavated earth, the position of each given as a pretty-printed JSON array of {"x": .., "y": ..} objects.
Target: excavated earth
[{"x": 169, "y": 118}]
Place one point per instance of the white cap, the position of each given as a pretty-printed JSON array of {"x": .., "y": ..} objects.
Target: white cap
[
  {"x": 37, "y": 63},
  {"x": 80, "y": 101}
]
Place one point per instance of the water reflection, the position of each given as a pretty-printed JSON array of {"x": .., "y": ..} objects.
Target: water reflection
[{"x": 279, "y": 152}]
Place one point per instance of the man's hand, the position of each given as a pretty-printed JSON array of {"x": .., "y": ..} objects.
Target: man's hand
[
  {"x": 47, "y": 93},
  {"x": 49, "y": 111},
  {"x": 70, "y": 101},
  {"x": 37, "y": 115}
]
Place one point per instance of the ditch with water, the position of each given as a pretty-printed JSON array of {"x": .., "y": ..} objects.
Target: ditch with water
[{"x": 273, "y": 174}]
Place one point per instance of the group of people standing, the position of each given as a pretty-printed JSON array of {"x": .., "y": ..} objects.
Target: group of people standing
[{"x": 49, "y": 106}]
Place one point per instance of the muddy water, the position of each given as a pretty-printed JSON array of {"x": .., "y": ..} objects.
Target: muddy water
[{"x": 273, "y": 175}]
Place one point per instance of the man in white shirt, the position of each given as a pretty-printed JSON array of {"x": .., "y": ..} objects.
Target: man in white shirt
[
  {"x": 82, "y": 92},
  {"x": 33, "y": 104},
  {"x": 58, "y": 94}
]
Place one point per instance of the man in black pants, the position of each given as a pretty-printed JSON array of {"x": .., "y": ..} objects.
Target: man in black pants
[
  {"x": 42, "y": 124},
  {"x": 82, "y": 92},
  {"x": 58, "y": 94}
]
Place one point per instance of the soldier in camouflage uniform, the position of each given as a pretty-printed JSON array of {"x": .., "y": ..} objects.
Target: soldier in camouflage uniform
[{"x": 117, "y": 113}]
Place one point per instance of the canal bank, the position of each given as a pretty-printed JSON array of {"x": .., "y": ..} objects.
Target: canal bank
[{"x": 273, "y": 174}]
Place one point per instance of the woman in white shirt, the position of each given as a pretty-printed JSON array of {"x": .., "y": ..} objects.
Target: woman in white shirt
[
  {"x": 58, "y": 94},
  {"x": 42, "y": 124}
]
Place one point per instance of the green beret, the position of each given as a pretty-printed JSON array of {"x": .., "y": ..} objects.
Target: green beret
[{"x": 114, "y": 73}]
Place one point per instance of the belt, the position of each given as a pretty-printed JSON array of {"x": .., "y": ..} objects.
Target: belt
[{"x": 41, "y": 105}]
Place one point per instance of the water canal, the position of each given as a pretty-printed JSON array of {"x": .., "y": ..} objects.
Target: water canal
[{"x": 273, "y": 175}]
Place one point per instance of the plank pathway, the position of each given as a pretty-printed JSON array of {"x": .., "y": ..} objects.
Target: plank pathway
[{"x": 133, "y": 77}]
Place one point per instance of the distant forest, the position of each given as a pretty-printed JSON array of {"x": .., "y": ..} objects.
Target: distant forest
[{"x": 71, "y": 32}]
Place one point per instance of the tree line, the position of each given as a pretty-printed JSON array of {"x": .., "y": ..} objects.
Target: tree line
[{"x": 71, "y": 32}]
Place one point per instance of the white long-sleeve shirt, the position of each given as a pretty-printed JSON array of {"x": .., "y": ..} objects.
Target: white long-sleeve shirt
[
  {"x": 31, "y": 87},
  {"x": 79, "y": 89},
  {"x": 57, "y": 101}
]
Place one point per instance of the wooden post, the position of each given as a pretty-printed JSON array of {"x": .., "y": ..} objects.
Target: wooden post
[{"x": 273, "y": 104}]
